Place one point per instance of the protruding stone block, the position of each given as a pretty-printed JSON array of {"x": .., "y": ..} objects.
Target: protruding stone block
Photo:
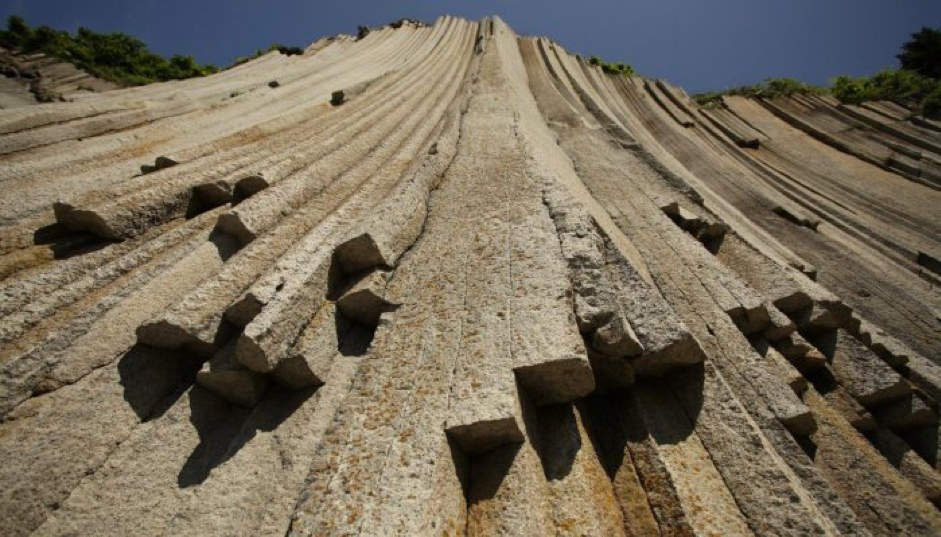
[
  {"x": 214, "y": 193},
  {"x": 250, "y": 185},
  {"x": 337, "y": 98},
  {"x": 224, "y": 375},
  {"x": 666, "y": 341},
  {"x": 479, "y": 437},
  {"x": 891, "y": 350},
  {"x": 815, "y": 319},
  {"x": 611, "y": 372},
  {"x": 780, "y": 325},
  {"x": 364, "y": 300},
  {"x": 795, "y": 217},
  {"x": 285, "y": 302},
  {"x": 89, "y": 220},
  {"x": 312, "y": 356},
  {"x": 583, "y": 249},
  {"x": 864, "y": 376},
  {"x": 712, "y": 230},
  {"x": 751, "y": 317},
  {"x": 616, "y": 338},
  {"x": 362, "y": 252},
  {"x": 160, "y": 163},
  {"x": 557, "y": 381},
  {"x": 175, "y": 332},
  {"x": 771, "y": 379},
  {"x": 906, "y": 413},
  {"x": 782, "y": 368},
  {"x": 857, "y": 416},
  {"x": 390, "y": 230},
  {"x": 805, "y": 357}
]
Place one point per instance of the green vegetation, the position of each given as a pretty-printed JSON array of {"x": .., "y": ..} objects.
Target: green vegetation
[
  {"x": 922, "y": 53},
  {"x": 612, "y": 68},
  {"x": 901, "y": 86},
  {"x": 116, "y": 56},
  {"x": 769, "y": 89},
  {"x": 917, "y": 85}
]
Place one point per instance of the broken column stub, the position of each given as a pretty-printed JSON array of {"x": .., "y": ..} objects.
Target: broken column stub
[
  {"x": 337, "y": 98},
  {"x": 235, "y": 383},
  {"x": 906, "y": 413},
  {"x": 779, "y": 365},
  {"x": 364, "y": 300},
  {"x": 703, "y": 229},
  {"x": 556, "y": 381},
  {"x": 583, "y": 249},
  {"x": 313, "y": 353},
  {"x": 80, "y": 220},
  {"x": 805, "y": 357},
  {"x": 616, "y": 338},
  {"x": 174, "y": 332},
  {"x": 863, "y": 374},
  {"x": 364, "y": 251},
  {"x": 160, "y": 163},
  {"x": 341, "y": 96},
  {"x": 597, "y": 312},
  {"x": 666, "y": 342},
  {"x": 611, "y": 372},
  {"x": 391, "y": 229},
  {"x": 476, "y": 436},
  {"x": 780, "y": 325},
  {"x": 778, "y": 383},
  {"x": 251, "y": 184},
  {"x": 815, "y": 319}
]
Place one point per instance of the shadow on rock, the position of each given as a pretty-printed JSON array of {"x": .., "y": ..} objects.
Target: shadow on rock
[
  {"x": 224, "y": 429},
  {"x": 153, "y": 379},
  {"x": 559, "y": 439},
  {"x": 614, "y": 420}
]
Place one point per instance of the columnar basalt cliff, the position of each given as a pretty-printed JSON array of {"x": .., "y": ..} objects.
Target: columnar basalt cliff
[{"x": 446, "y": 280}]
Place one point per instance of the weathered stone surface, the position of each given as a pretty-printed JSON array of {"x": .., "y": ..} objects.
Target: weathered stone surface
[
  {"x": 364, "y": 301},
  {"x": 666, "y": 341},
  {"x": 780, "y": 326},
  {"x": 860, "y": 371},
  {"x": 781, "y": 367},
  {"x": 905, "y": 413},
  {"x": 880, "y": 496},
  {"x": 444, "y": 280},
  {"x": 616, "y": 338},
  {"x": 312, "y": 355},
  {"x": 801, "y": 353},
  {"x": 224, "y": 375}
]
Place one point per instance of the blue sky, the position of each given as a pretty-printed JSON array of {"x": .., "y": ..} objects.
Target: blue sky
[{"x": 698, "y": 44}]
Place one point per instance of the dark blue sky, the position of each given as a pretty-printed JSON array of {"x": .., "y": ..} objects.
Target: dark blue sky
[{"x": 699, "y": 44}]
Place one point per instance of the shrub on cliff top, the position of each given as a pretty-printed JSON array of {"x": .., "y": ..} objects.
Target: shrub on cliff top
[
  {"x": 769, "y": 89},
  {"x": 619, "y": 68},
  {"x": 116, "y": 56},
  {"x": 901, "y": 86}
]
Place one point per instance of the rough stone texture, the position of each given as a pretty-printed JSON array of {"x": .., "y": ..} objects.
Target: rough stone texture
[
  {"x": 365, "y": 301},
  {"x": 224, "y": 375},
  {"x": 867, "y": 378},
  {"x": 489, "y": 290}
]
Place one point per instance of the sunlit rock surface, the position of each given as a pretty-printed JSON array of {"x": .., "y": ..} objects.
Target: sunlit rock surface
[{"x": 447, "y": 280}]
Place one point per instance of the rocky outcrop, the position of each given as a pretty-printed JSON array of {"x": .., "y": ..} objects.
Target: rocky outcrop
[
  {"x": 444, "y": 280},
  {"x": 36, "y": 78}
]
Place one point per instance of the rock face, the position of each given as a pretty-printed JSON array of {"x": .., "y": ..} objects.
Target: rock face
[
  {"x": 445, "y": 280},
  {"x": 26, "y": 79}
]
